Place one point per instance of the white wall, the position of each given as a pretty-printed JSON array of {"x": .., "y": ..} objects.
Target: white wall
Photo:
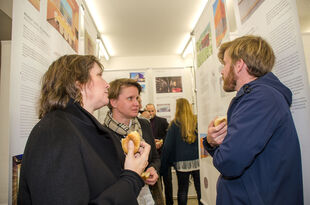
[
  {"x": 4, "y": 120},
  {"x": 306, "y": 44}
]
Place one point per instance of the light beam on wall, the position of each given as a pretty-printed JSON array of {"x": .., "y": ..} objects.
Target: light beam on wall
[
  {"x": 187, "y": 39},
  {"x": 188, "y": 48},
  {"x": 102, "y": 51}
]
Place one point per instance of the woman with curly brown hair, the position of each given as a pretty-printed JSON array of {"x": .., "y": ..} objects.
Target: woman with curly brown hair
[{"x": 70, "y": 158}]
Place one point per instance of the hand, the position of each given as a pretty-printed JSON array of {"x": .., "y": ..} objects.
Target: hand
[
  {"x": 158, "y": 143},
  {"x": 216, "y": 134},
  {"x": 139, "y": 161},
  {"x": 152, "y": 179}
]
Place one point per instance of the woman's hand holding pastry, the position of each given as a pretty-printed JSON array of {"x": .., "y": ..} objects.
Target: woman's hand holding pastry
[
  {"x": 137, "y": 162},
  {"x": 152, "y": 179}
]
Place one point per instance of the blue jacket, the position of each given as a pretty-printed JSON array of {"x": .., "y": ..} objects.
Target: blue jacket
[
  {"x": 259, "y": 159},
  {"x": 175, "y": 149}
]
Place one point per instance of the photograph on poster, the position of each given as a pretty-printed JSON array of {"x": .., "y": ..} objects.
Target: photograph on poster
[
  {"x": 16, "y": 163},
  {"x": 63, "y": 15},
  {"x": 138, "y": 76},
  {"x": 203, "y": 151},
  {"x": 219, "y": 21},
  {"x": 204, "y": 46},
  {"x": 142, "y": 87},
  {"x": 163, "y": 107},
  {"x": 172, "y": 84},
  {"x": 90, "y": 46},
  {"x": 35, "y": 3},
  {"x": 247, "y": 8}
]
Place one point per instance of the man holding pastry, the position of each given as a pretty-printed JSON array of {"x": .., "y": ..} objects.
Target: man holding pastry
[{"x": 256, "y": 150}]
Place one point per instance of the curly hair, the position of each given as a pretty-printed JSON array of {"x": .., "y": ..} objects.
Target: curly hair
[{"x": 59, "y": 81}]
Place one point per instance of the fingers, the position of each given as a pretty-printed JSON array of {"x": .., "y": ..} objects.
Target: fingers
[
  {"x": 211, "y": 124},
  {"x": 145, "y": 148},
  {"x": 130, "y": 148},
  {"x": 216, "y": 134}
]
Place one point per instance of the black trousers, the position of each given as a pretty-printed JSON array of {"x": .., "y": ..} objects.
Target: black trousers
[
  {"x": 183, "y": 184},
  {"x": 168, "y": 187}
]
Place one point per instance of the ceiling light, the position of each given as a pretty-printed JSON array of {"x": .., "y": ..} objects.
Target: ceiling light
[
  {"x": 94, "y": 14},
  {"x": 184, "y": 43},
  {"x": 107, "y": 44},
  {"x": 199, "y": 12},
  {"x": 102, "y": 51},
  {"x": 188, "y": 48},
  {"x": 187, "y": 39}
]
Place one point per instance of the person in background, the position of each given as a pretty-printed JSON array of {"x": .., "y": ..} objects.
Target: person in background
[
  {"x": 70, "y": 158},
  {"x": 159, "y": 129},
  {"x": 181, "y": 150},
  {"x": 258, "y": 152},
  {"x": 124, "y": 95},
  {"x": 143, "y": 112}
]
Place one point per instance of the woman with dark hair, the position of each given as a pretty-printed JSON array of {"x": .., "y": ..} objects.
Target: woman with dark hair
[
  {"x": 70, "y": 158},
  {"x": 181, "y": 150}
]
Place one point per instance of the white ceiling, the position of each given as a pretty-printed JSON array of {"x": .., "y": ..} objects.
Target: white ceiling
[
  {"x": 145, "y": 27},
  {"x": 155, "y": 27}
]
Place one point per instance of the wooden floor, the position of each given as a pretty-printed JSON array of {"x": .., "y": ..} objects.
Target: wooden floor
[{"x": 190, "y": 201}]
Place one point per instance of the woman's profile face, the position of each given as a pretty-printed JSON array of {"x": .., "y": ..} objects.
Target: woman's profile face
[{"x": 95, "y": 91}]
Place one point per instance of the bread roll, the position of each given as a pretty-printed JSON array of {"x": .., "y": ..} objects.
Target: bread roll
[
  {"x": 135, "y": 137},
  {"x": 219, "y": 120},
  {"x": 145, "y": 175}
]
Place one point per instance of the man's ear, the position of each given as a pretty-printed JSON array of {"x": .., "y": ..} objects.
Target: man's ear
[{"x": 240, "y": 65}]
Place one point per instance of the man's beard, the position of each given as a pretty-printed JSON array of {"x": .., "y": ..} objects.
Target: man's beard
[{"x": 230, "y": 81}]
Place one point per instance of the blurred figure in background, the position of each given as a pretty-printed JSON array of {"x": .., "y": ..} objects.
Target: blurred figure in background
[
  {"x": 143, "y": 112},
  {"x": 159, "y": 129},
  {"x": 181, "y": 150}
]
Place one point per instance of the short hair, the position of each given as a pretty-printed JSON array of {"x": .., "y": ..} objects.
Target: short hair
[
  {"x": 256, "y": 53},
  {"x": 117, "y": 85},
  {"x": 59, "y": 81},
  {"x": 150, "y": 104}
]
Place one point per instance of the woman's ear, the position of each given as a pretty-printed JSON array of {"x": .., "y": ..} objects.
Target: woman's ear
[
  {"x": 79, "y": 86},
  {"x": 113, "y": 103}
]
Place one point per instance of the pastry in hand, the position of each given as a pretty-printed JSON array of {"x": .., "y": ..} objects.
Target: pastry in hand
[
  {"x": 136, "y": 139},
  {"x": 219, "y": 120},
  {"x": 145, "y": 175}
]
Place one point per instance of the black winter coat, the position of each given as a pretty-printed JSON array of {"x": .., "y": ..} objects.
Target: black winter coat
[{"x": 70, "y": 158}]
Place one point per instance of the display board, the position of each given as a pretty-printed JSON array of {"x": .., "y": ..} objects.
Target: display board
[{"x": 277, "y": 22}]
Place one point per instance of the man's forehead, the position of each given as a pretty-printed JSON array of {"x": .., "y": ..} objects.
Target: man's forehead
[{"x": 150, "y": 107}]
